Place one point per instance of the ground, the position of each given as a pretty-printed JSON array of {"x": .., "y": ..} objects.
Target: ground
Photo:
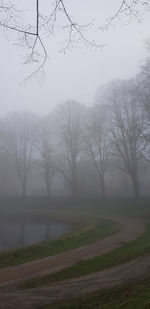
[{"x": 19, "y": 286}]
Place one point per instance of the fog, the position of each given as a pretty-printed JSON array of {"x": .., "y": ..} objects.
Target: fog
[
  {"x": 74, "y": 154},
  {"x": 82, "y": 119}
]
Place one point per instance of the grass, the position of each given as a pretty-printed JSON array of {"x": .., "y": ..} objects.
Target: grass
[
  {"x": 88, "y": 233},
  {"x": 135, "y": 296},
  {"x": 127, "y": 252}
]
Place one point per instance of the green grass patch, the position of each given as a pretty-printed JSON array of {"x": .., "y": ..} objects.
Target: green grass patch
[
  {"x": 127, "y": 252},
  {"x": 84, "y": 234},
  {"x": 135, "y": 296}
]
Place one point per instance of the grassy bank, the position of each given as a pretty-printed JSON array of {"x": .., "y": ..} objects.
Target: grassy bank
[
  {"x": 133, "y": 296},
  {"x": 84, "y": 234}
]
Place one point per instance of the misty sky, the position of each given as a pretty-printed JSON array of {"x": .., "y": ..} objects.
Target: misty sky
[{"x": 78, "y": 74}]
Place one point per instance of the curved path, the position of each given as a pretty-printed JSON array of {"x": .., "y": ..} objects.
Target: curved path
[
  {"x": 131, "y": 229},
  {"x": 12, "y": 298},
  {"x": 74, "y": 288}
]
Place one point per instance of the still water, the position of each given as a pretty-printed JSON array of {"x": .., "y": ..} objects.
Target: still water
[{"x": 16, "y": 235}]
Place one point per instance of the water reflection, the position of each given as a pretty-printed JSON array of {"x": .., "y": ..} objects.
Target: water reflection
[{"x": 15, "y": 235}]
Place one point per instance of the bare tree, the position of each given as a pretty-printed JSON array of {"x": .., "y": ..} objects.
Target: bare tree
[
  {"x": 19, "y": 139},
  {"x": 70, "y": 141},
  {"x": 126, "y": 125},
  {"x": 46, "y": 147},
  {"x": 31, "y": 36},
  {"x": 96, "y": 141},
  {"x": 143, "y": 82}
]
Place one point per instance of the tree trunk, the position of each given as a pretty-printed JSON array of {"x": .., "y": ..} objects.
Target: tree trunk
[
  {"x": 48, "y": 188},
  {"x": 24, "y": 188},
  {"x": 136, "y": 186},
  {"x": 103, "y": 192},
  {"x": 74, "y": 185}
]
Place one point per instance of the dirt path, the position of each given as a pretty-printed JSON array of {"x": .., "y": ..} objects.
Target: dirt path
[
  {"x": 73, "y": 288},
  {"x": 130, "y": 230},
  {"x": 12, "y": 298}
]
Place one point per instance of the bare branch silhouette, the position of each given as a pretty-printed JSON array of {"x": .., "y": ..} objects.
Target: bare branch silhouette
[
  {"x": 32, "y": 37},
  {"x": 127, "y": 8}
]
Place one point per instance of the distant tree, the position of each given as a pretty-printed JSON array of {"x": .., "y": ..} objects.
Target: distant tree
[
  {"x": 96, "y": 141},
  {"x": 126, "y": 127},
  {"x": 19, "y": 138},
  {"x": 143, "y": 82},
  {"x": 143, "y": 79},
  {"x": 46, "y": 147},
  {"x": 69, "y": 122}
]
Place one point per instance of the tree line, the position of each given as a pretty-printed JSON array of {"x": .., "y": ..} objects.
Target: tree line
[{"x": 114, "y": 133}]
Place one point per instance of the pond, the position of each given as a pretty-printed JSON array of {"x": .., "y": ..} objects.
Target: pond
[{"x": 14, "y": 234}]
